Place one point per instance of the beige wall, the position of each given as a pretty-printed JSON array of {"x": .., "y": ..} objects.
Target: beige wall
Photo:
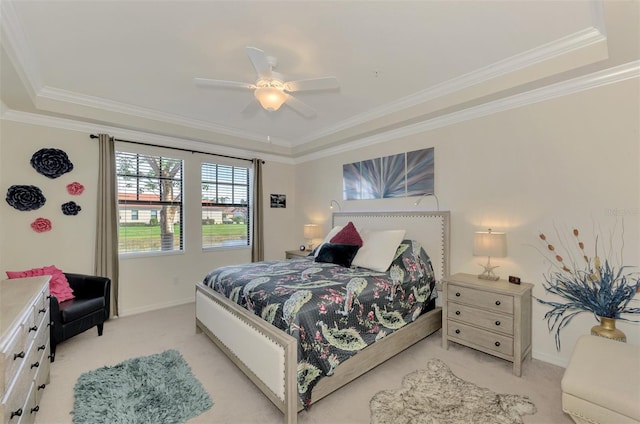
[
  {"x": 146, "y": 282},
  {"x": 571, "y": 161}
]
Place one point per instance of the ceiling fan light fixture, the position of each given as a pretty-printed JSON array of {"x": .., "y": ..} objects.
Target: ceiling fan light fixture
[{"x": 270, "y": 98}]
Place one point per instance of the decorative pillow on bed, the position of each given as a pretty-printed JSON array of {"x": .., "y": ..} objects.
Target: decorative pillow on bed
[
  {"x": 378, "y": 249},
  {"x": 58, "y": 284},
  {"x": 339, "y": 254},
  {"x": 348, "y": 235},
  {"x": 335, "y": 230}
]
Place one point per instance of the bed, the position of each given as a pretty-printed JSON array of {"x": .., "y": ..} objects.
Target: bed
[{"x": 269, "y": 356}]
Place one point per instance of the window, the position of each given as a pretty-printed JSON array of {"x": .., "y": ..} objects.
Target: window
[
  {"x": 225, "y": 205},
  {"x": 148, "y": 184}
]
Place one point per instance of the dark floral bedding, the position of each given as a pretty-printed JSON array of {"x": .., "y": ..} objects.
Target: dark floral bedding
[{"x": 331, "y": 310}]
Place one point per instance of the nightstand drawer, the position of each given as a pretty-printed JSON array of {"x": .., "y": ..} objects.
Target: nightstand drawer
[
  {"x": 480, "y": 298},
  {"x": 481, "y": 318},
  {"x": 485, "y": 339}
]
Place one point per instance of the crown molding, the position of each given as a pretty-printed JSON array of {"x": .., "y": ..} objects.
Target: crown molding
[
  {"x": 65, "y": 96},
  {"x": 540, "y": 54},
  {"x": 587, "y": 82},
  {"x": 138, "y": 136},
  {"x": 17, "y": 47}
]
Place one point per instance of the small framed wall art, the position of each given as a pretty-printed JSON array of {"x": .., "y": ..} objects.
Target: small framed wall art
[{"x": 278, "y": 200}]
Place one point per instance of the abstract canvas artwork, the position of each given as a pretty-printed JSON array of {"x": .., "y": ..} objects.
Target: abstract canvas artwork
[{"x": 401, "y": 175}]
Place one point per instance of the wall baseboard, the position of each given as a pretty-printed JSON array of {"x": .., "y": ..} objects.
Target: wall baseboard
[
  {"x": 154, "y": 307},
  {"x": 554, "y": 360}
]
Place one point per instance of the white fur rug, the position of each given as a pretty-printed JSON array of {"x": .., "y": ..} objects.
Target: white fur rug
[{"x": 436, "y": 396}]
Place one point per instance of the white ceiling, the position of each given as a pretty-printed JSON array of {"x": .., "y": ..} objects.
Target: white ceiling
[{"x": 131, "y": 64}]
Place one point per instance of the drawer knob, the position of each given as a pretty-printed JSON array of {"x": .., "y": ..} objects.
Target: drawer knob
[
  {"x": 42, "y": 386},
  {"x": 457, "y": 331},
  {"x": 458, "y": 294},
  {"x": 41, "y": 347},
  {"x": 16, "y": 413},
  {"x": 18, "y": 355},
  {"x": 34, "y": 328},
  {"x": 497, "y": 303},
  {"x": 35, "y": 365},
  {"x": 457, "y": 312},
  {"x": 42, "y": 311},
  {"x": 497, "y": 344},
  {"x": 497, "y": 322},
  {"x": 35, "y": 409}
]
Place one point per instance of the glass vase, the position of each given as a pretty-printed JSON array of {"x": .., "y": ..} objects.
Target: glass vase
[{"x": 607, "y": 328}]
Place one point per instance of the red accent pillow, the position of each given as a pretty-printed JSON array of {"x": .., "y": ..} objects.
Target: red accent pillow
[
  {"x": 348, "y": 235},
  {"x": 58, "y": 284}
]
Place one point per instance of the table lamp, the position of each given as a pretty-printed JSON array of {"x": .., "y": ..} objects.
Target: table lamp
[{"x": 489, "y": 243}]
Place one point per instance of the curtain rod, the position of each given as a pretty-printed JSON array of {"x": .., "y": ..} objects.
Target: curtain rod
[{"x": 176, "y": 148}]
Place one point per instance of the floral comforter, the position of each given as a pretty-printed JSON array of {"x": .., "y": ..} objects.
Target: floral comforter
[{"x": 331, "y": 310}]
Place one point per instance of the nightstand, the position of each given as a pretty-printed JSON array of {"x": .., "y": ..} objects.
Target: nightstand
[
  {"x": 296, "y": 254},
  {"x": 491, "y": 316}
]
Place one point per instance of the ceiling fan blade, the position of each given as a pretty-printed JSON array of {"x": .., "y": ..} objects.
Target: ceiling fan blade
[
  {"x": 205, "y": 82},
  {"x": 259, "y": 62},
  {"x": 325, "y": 83},
  {"x": 302, "y": 108},
  {"x": 251, "y": 108}
]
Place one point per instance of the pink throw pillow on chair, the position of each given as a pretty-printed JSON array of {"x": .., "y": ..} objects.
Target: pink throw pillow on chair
[{"x": 58, "y": 284}]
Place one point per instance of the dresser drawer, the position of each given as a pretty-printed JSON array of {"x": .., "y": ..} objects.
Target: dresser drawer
[
  {"x": 480, "y": 298},
  {"x": 42, "y": 303},
  {"x": 43, "y": 376},
  {"x": 30, "y": 410},
  {"x": 42, "y": 334},
  {"x": 14, "y": 356},
  {"x": 485, "y": 319},
  {"x": 485, "y": 339},
  {"x": 41, "y": 310},
  {"x": 15, "y": 401}
]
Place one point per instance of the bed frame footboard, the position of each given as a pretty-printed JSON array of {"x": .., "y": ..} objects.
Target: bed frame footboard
[
  {"x": 265, "y": 354},
  {"x": 269, "y": 356}
]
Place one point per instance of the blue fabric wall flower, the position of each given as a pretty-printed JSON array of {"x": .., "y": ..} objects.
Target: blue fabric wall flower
[
  {"x": 51, "y": 163},
  {"x": 25, "y": 197},
  {"x": 70, "y": 208}
]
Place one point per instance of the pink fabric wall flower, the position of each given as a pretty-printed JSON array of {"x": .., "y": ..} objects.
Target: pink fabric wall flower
[
  {"x": 41, "y": 225},
  {"x": 75, "y": 188}
]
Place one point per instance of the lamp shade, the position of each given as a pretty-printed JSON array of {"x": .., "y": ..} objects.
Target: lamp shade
[
  {"x": 270, "y": 98},
  {"x": 311, "y": 231},
  {"x": 489, "y": 243}
]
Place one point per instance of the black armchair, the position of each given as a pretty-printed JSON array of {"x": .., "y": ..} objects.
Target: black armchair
[{"x": 89, "y": 308}]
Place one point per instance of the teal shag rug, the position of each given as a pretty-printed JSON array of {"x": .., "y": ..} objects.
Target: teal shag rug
[{"x": 157, "y": 388}]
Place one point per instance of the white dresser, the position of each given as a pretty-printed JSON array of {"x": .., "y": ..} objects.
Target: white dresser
[
  {"x": 24, "y": 347},
  {"x": 491, "y": 316}
]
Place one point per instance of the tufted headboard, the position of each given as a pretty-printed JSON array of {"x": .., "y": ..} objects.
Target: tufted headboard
[{"x": 431, "y": 229}]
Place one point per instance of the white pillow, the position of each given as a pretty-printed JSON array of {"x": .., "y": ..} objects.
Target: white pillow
[
  {"x": 378, "y": 249},
  {"x": 335, "y": 230}
]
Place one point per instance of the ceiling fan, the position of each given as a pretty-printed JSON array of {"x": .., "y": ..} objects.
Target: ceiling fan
[{"x": 270, "y": 89}]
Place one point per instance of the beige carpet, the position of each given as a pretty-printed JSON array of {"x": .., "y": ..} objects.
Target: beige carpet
[{"x": 235, "y": 398}]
